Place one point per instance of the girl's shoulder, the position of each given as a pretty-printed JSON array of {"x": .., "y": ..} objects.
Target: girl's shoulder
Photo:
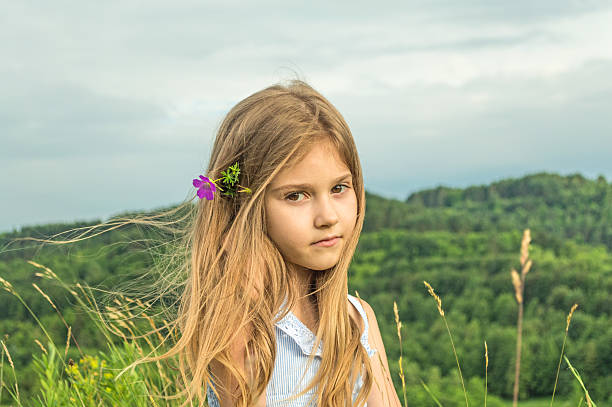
[
  {"x": 362, "y": 312},
  {"x": 357, "y": 311}
]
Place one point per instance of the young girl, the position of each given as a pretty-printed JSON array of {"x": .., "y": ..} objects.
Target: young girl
[{"x": 266, "y": 318}]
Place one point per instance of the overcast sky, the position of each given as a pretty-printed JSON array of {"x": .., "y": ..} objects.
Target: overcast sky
[{"x": 113, "y": 106}]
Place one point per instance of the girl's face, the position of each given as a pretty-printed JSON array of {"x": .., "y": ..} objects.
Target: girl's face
[{"x": 311, "y": 201}]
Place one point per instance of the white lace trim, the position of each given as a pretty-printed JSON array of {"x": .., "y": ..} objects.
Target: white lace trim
[
  {"x": 300, "y": 333},
  {"x": 305, "y": 339}
]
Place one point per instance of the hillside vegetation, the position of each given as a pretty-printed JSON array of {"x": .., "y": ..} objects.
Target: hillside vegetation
[{"x": 464, "y": 242}]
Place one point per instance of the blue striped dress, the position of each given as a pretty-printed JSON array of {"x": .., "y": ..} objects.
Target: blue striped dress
[{"x": 294, "y": 343}]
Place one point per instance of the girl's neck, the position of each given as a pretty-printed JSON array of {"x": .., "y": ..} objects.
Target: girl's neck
[
  {"x": 305, "y": 280},
  {"x": 306, "y": 307},
  {"x": 306, "y": 310}
]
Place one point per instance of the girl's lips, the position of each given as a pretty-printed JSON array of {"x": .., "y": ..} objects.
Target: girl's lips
[{"x": 327, "y": 243}]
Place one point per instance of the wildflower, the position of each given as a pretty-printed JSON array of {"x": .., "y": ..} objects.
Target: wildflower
[
  {"x": 228, "y": 184},
  {"x": 206, "y": 188}
]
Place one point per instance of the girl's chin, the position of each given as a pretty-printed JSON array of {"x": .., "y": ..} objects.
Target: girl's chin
[{"x": 322, "y": 267}]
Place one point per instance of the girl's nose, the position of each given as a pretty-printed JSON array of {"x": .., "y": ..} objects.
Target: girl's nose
[{"x": 326, "y": 214}]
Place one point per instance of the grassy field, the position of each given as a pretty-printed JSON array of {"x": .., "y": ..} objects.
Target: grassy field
[{"x": 543, "y": 402}]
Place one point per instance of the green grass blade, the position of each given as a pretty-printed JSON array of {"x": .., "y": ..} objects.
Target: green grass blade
[
  {"x": 590, "y": 401},
  {"x": 430, "y": 393}
]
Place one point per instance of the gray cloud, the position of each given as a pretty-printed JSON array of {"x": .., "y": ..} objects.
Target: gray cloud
[
  {"x": 114, "y": 106},
  {"x": 60, "y": 120},
  {"x": 485, "y": 130}
]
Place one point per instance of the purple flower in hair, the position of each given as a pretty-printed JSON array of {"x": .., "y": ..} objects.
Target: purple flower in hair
[{"x": 206, "y": 187}]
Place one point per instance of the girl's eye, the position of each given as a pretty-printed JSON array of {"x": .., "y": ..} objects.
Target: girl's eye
[
  {"x": 297, "y": 193},
  {"x": 293, "y": 194},
  {"x": 341, "y": 185}
]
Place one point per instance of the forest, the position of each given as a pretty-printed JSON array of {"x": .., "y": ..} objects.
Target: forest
[{"x": 462, "y": 241}]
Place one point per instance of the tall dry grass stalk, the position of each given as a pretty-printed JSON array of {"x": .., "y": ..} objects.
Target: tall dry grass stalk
[
  {"x": 9, "y": 288},
  {"x": 399, "y": 336},
  {"x": 441, "y": 311},
  {"x": 40, "y": 345},
  {"x": 518, "y": 281},
  {"x": 569, "y": 318},
  {"x": 120, "y": 321},
  {"x": 486, "y": 372},
  {"x": 8, "y": 356},
  {"x": 49, "y": 274},
  {"x": 1, "y": 372}
]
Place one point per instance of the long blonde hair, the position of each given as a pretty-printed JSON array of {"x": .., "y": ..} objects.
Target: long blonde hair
[
  {"x": 232, "y": 276},
  {"x": 235, "y": 266}
]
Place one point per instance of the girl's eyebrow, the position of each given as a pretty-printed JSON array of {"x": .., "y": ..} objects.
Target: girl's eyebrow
[{"x": 306, "y": 186}]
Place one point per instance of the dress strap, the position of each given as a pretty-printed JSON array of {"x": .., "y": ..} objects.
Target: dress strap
[{"x": 364, "y": 337}]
